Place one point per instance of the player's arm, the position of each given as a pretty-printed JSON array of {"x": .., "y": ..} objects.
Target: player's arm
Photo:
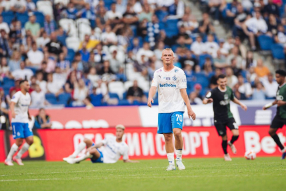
[
  {"x": 270, "y": 105},
  {"x": 29, "y": 116},
  {"x": 235, "y": 100},
  {"x": 130, "y": 161},
  {"x": 152, "y": 93},
  {"x": 12, "y": 108},
  {"x": 208, "y": 98},
  {"x": 126, "y": 158},
  {"x": 98, "y": 145},
  {"x": 185, "y": 97}
]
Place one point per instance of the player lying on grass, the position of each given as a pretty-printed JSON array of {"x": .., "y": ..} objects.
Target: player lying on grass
[
  {"x": 280, "y": 118},
  {"x": 172, "y": 84},
  {"x": 19, "y": 106},
  {"x": 221, "y": 97},
  {"x": 113, "y": 149}
]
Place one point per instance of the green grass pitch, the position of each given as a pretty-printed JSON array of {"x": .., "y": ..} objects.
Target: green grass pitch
[{"x": 200, "y": 174}]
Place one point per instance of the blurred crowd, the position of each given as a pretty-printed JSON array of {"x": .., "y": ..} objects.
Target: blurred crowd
[{"x": 94, "y": 52}]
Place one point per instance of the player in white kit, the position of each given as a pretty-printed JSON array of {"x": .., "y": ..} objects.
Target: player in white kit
[
  {"x": 113, "y": 149},
  {"x": 19, "y": 106},
  {"x": 172, "y": 85}
]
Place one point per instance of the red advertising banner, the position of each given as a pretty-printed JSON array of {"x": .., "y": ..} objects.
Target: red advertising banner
[
  {"x": 145, "y": 143},
  {"x": 76, "y": 118}
]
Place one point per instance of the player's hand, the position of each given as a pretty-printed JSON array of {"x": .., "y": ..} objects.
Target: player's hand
[
  {"x": 13, "y": 114},
  {"x": 264, "y": 108},
  {"x": 244, "y": 107},
  {"x": 280, "y": 103},
  {"x": 191, "y": 114},
  {"x": 150, "y": 101},
  {"x": 210, "y": 100}
]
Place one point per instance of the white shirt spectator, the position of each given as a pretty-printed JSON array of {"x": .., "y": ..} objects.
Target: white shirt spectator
[
  {"x": 18, "y": 3},
  {"x": 146, "y": 53},
  {"x": 60, "y": 78},
  {"x": 255, "y": 25},
  {"x": 22, "y": 74},
  {"x": 5, "y": 26},
  {"x": 212, "y": 48},
  {"x": 226, "y": 47},
  {"x": 6, "y": 4},
  {"x": 109, "y": 37},
  {"x": 38, "y": 99},
  {"x": 245, "y": 89},
  {"x": 282, "y": 38},
  {"x": 43, "y": 85},
  {"x": 112, "y": 15},
  {"x": 35, "y": 57},
  {"x": 231, "y": 81},
  {"x": 41, "y": 41},
  {"x": 270, "y": 88},
  {"x": 137, "y": 8},
  {"x": 54, "y": 87},
  {"x": 79, "y": 96},
  {"x": 198, "y": 47}
]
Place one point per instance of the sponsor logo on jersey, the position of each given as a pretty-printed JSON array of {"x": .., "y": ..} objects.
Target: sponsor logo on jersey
[
  {"x": 25, "y": 105},
  {"x": 225, "y": 96},
  {"x": 166, "y": 85},
  {"x": 225, "y": 102},
  {"x": 279, "y": 97},
  {"x": 168, "y": 78},
  {"x": 174, "y": 78}
]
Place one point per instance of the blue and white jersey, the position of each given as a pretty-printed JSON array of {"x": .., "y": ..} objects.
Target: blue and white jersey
[
  {"x": 22, "y": 103},
  {"x": 169, "y": 85},
  {"x": 112, "y": 150}
]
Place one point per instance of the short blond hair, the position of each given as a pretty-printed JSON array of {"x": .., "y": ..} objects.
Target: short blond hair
[
  {"x": 168, "y": 49},
  {"x": 120, "y": 126}
]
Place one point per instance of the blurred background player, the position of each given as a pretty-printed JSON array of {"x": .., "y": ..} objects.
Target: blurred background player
[
  {"x": 113, "y": 149},
  {"x": 280, "y": 118},
  {"x": 20, "y": 117},
  {"x": 172, "y": 84},
  {"x": 221, "y": 97}
]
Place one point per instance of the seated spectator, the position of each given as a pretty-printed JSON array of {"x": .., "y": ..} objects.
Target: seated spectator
[
  {"x": 4, "y": 110},
  {"x": 63, "y": 64},
  {"x": 135, "y": 93},
  {"x": 30, "y": 5},
  {"x": 32, "y": 26},
  {"x": 109, "y": 37},
  {"x": 147, "y": 13},
  {"x": 211, "y": 46},
  {"x": 145, "y": 52},
  {"x": 62, "y": 35},
  {"x": 5, "y": 50},
  {"x": 235, "y": 54},
  {"x": 195, "y": 98},
  {"x": 99, "y": 55},
  {"x": 207, "y": 68},
  {"x": 80, "y": 94},
  {"x": 188, "y": 69},
  {"x": 42, "y": 120},
  {"x": 4, "y": 25},
  {"x": 271, "y": 8},
  {"x": 49, "y": 25},
  {"x": 43, "y": 70},
  {"x": 188, "y": 58},
  {"x": 89, "y": 43},
  {"x": 235, "y": 69},
  {"x": 93, "y": 76},
  {"x": 259, "y": 92},
  {"x": 142, "y": 29},
  {"x": 181, "y": 46},
  {"x": 59, "y": 76},
  {"x": 254, "y": 27},
  {"x": 271, "y": 86},
  {"x": 242, "y": 89},
  {"x": 241, "y": 16},
  {"x": 70, "y": 83},
  {"x": 241, "y": 47},
  {"x": 4, "y": 68},
  {"x": 198, "y": 47},
  {"x": 121, "y": 6},
  {"x": 14, "y": 62},
  {"x": 130, "y": 17},
  {"x": 189, "y": 25},
  {"x": 41, "y": 82},
  {"x": 95, "y": 97},
  {"x": 81, "y": 66},
  {"x": 214, "y": 6},
  {"x": 43, "y": 39},
  {"x": 106, "y": 72},
  {"x": 260, "y": 69},
  {"x": 205, "y": 26},
  {"x": 249, "y": 61},
  {"x": 231, "y": 11},
  {"x": 136, "y": 6},
  {"x": 115, "y": 64},
  {"x": 272, "y": 25},
  {"x": 35, "y": 57},
  {"x": 18, "y": 6},
  {"x": 71, "y": 12},
  {"x": 38, "y": 97},
  {"x": 53, "y": 86},
  {"x": 231, "y": 79},
  {"x": 89, "y": 14},
  {"x": 281, "y": 36},
  {"x": 22, "y": 73},
  {"x": 214, "y": 78},
  {"x": 54, "y": 47},
  {"x": 101, "y": 20},
  {"x": 220, "y": 60},
  {"x": 176, "y": 9},
  {"x": 112, "y": 16}
]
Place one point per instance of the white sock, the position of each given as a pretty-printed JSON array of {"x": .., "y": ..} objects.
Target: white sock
[
  {"x": 87, "y": 155},
  {"x": 23, "y": 150},
  {"x": 80, "y": 147},
  {"x": 12, "y": 151},
  {"x": 170, "y": 157},
  {"x": 179, "y": 154}
]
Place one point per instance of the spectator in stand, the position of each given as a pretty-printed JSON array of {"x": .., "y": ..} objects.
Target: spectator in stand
[
  {"x": 112, "y": 16},
  {"x": 205, "y": 26},
  {"x": 80, "y": 94},
  {"x": 90, "y": 44},
  {"x": 121, "y": 6},
  {"x": 54, "y": 47},
  {"x": 22, "y": 73},
  {"x": 59, "y": 76},
  {"x": 4, "y": 68},
  {"x": 281, "y": 36},
  {"x": 5, "y": 5},
  {"x": 4, "y": 124},
  {"x": 254, "y": 27},
  {"x": 14, "y": 62},
  {"x": 271, "y": 8},
  {"x": 70, "y": 12},
  {"x": 53, "y": 87},
  {"x": 35, "y": 57},
  {"x": 235, "y": 69},
  {"x": 231, "y": 11},
  {"x": 49, "y": 25},
  {"x": 220, "y": 60},
  {"x": 241, "y": 47},
  {"x": 42, "y": 120},
  {"x": 242, "y": 89},
  {"x": 198, "y": 47},
  {"x": 32, "y": 26},
  {"x": 207, "y": 68},
  {"x": 147, "y": 13},
  {"x": 71, "y": 80},
  {"x": 189, "y": 25},
  {"x": 18, "y": 6},
  {"x": 115, "y": 64},
  {"x": 144, "y": 53},
  {"x": 85, "y": 54},
  {"x": 235, "y": 55},
  {"x": 271, "y": 86},
  {"x": 4, "y": 25},
  {"x": 89, "y": 14},
  {"x": 214, "y": 6},
  {"x": 5, "y": 50},
  {"x": 81, "y": 65},
  {"x": 214, "y": 78},
  {"x": 261, "y": 70},
  {"x": 142, "y": 29},
  {"x": 30, "y": 5},
  {"x": 63, "y": 64},
  {"x": 272, "y": 25},
  {"x": 106, "y": 72},
  {"x": 249, "y": 61},
  {"x": 93, "y": 76},
  {"x": 43, "y": 40},
  {"x": 41, "y": 82},
  {"x": 100, "y": 19},
  {"x": 43, "y": 70},
  {"x": 109, "y": 37},
  {"x": 241, "y": 16},
  {"x": 130, "y": 17},
  {"x": 135, "y": 93},
  {"x": 231, "y": 79},
  {"x": 177, "y": 9},
  {"x": 259, "y": 92},
  {"x": 188, "y": 58},
  {"x": 38, "y": 97},
  {"x": 211, "y": 46},
  {"x": 195, "y": 98},
  {"x": 135, "y": 5}
]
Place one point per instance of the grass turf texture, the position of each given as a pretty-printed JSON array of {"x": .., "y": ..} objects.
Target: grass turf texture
[{"x": 200, "y": 174}]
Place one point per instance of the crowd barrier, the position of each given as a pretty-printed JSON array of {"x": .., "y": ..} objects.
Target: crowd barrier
[{"x": 145, "y": 143}]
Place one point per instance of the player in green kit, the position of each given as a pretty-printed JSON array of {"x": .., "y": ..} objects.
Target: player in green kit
[
  {"x": 221, "y": 97},
  {"x": 280, "y": 118}
]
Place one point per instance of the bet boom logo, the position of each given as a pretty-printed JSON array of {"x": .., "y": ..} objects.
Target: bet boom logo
[{"x": 167, "y": 85}]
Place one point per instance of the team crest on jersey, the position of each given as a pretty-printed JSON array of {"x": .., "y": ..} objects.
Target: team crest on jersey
[
  {"x": 225, "y": 96},
  {"x": 176, "y": 70},
  {"x": 174, "y": 78}
]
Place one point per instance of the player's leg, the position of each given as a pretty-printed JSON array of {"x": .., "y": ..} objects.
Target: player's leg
[
  {"x": 86, "y": 143},
  {"x": 169, "y": 149},
  {"x": 93, "y": 154},
  {"x": 221, "y": 130},
  {"x": 235, "y": 134},
  {"x": 275, "y": 125}
]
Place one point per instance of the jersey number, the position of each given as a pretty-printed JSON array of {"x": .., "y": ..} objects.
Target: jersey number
[{"x": 179, "y": 117}]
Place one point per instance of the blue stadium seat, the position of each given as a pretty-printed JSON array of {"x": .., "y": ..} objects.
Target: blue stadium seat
[
  {"x": 40, "y": 18},
  {"x": 62, "y": 39},
  {"x": 23, "y": 18},
  {"x": 202, "y": 79},
  {"x": 64, "y": 98},
  {"x": 161, "y": 15},
  {"x": 265, "y": 42},
  {"x": 277, "y": 51},
  {"x": 123, "y": 102},
  {"x": 8, "y": 83},
  {"x": 70, "y": 55},
  {"x": 113, "y": 95},
  {"x": 8, "y": 16},
  {"x": 124, "y": 96},
  {"x": 51, "y": 98},
  {"x": 171, "y": 27},
  {"x": 202, "y": 59}
]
